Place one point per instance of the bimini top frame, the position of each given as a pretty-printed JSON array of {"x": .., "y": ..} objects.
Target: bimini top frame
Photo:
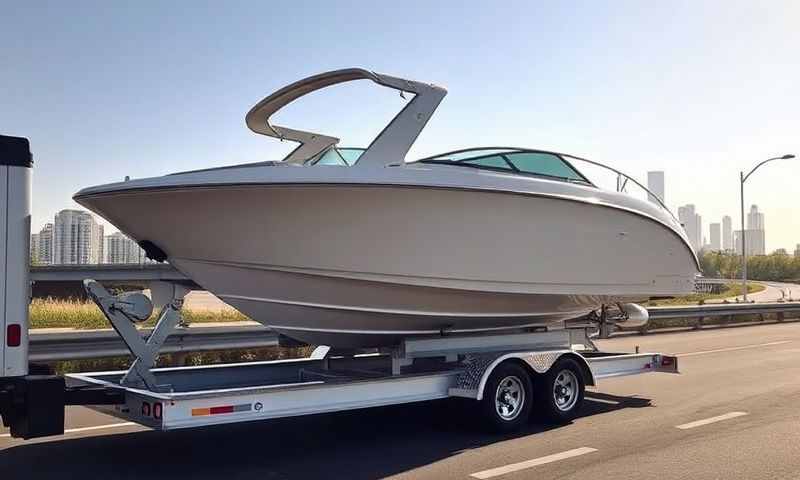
[{"x": 389, "y": 147}]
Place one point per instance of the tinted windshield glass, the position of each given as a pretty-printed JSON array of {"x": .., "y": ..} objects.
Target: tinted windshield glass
[
  {"x": 350, "y": 155},
  {"x": 338, "y": 156},
  {"x": 495, "y": 161},
  {"x": 543, "y": 164},
  {"x": 516, "y": 161}
]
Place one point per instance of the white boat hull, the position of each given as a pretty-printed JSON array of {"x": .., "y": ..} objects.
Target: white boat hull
[{"x": 363, "y": 265}]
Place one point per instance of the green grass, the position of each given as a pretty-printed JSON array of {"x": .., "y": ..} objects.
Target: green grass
[
  {"x": 84, "y": 315},
  {"x": 730, "y": 290}
]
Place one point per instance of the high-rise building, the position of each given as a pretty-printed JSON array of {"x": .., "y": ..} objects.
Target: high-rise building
[
  {"x": 42, "y": 246},
  {"x": 692, "y": 224},
  {"x": 77, "y": 238},
  {"x": 119, "y": 248},
  {"x": 754, "y": 242},
  {"x": 655, "y": 183},
  {"x": 755, "y": 219},
  {"x": 755, "y": 224},
  {"x": 34, "y": 248},
  {"x": 727, "y": 234},
  {"x": 715, "y": 237}
]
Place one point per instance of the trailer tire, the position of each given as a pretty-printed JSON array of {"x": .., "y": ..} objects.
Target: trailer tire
[
  {"x": 507, "y": 398},
  {"x": 560, "y": 391}
]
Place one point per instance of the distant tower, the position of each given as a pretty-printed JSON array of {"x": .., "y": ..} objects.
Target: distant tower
[
  {"x": 692, "y": 224},
  {"x": 121, "y": 249},
  {"x": 655, "y": 183},
  {"x": 727, "y": 234},
  {"x": 77, "y": 238},
  {"x": 715, "y": 237},
  {"x": 755, "y": 231},
  {"x": 755, "y": 219},
  {"x": 42, "y": 246},
  {"x": 34, "y": 248}
]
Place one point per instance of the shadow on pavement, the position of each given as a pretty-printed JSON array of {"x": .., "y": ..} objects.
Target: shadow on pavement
[{"x": 370, "y": 443}]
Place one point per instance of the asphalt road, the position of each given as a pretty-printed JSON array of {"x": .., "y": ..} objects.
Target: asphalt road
[
  {"x": 745, "y": 378},
  {"x": 775, "y": 291}
]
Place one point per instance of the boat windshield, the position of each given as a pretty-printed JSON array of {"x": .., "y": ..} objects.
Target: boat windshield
[
  {"x": 344, "y": 157},
  {"x": 526, "y": 162}
]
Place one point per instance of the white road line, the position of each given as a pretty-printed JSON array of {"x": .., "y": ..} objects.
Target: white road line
[
  {"x": 515, "y": 467},
  {"x": 700, "y": 423},
  {"x": 601, "y": 400},
  {"x": 731, "y": 349},
  {"x": 87, "y": 429}
]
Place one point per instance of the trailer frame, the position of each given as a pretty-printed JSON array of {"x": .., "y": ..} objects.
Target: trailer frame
[{"x": 434, "y": 368}]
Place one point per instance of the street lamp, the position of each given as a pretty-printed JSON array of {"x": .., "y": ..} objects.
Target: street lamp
[{"x": 743, "y": 178}]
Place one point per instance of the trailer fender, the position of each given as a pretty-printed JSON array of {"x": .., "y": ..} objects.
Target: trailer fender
[{"x": 472, "y": 382}]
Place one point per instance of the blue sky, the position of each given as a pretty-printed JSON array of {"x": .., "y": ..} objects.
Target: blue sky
[{"x": 698, "y": 89}]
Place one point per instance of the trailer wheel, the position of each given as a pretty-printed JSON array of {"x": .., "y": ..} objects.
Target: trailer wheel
[
  {"x": 560, "y": 391},
  {"x": 507, "y": 397}
]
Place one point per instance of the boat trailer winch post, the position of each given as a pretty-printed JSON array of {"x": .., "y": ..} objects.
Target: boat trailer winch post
[{"x": 126, "y": 309}]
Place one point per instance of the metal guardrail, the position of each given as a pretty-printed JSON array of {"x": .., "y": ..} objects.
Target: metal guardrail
[
  {"x": 77, "y": 345},
  {"x": 45, "y": 347},
  {"x": 719, "y": 310}
]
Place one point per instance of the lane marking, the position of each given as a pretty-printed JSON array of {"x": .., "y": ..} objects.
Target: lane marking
[
  {"x": 601, "y": 400},
  {"x": 87, "y": 429},
  {"x": 515, "y": 467},
  {"x": 700, "y": 423},
  {"x": 731, "y": 349}
]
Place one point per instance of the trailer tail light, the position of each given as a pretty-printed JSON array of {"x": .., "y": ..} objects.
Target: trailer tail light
[
  {"x": 218, "y": 410},
  {"x": 14, "y": 335},
  {"x": 145, "y": 409},
  {"x": 157, "y": 410}
]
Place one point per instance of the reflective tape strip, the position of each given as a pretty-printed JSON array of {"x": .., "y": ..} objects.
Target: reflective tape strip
[{"x": 222, "y": 409}]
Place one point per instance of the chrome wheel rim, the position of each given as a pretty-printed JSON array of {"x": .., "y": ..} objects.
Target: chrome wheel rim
[
  {"x": 509, "y": 398},
  {"x": 565, "y": 390}
]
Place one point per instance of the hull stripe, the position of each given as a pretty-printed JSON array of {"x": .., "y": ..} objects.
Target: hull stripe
[{"x": 389, "y": 311}]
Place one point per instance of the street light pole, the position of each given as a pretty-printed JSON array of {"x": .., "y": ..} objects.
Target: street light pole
[
  {"x": 743, "y": 178},
  {"x": 744, "y": 250}
]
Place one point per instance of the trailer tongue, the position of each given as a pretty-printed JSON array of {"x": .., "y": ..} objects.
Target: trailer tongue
[{"x": 507, "y": 375}]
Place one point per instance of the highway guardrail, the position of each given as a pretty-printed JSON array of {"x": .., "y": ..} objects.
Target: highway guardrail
[{"x": 76, "y": 345}]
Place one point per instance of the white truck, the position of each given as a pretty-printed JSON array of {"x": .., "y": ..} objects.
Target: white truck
[{"x": 507, "y": 375}]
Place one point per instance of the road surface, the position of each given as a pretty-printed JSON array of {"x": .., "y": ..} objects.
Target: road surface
[
  {"x": 732, "y": 414},
  {"x": 775, "y": 291}
]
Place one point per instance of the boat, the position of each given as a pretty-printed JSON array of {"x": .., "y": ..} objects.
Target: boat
[{"x": 357, "y": 247}]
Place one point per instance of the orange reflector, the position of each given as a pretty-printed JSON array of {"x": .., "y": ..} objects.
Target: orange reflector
[{"x": 200, "y": 411}]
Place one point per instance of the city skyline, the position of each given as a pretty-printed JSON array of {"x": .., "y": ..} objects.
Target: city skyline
[
  {"x": 721, "y": 235},
  {"x": 76, "y": 238}
]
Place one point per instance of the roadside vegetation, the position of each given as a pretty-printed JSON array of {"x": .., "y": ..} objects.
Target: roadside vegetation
[
  {"x": 729, "y": 290},
  {"x": 84, "y": 315},
  {"x": 778, "y": 266}
]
